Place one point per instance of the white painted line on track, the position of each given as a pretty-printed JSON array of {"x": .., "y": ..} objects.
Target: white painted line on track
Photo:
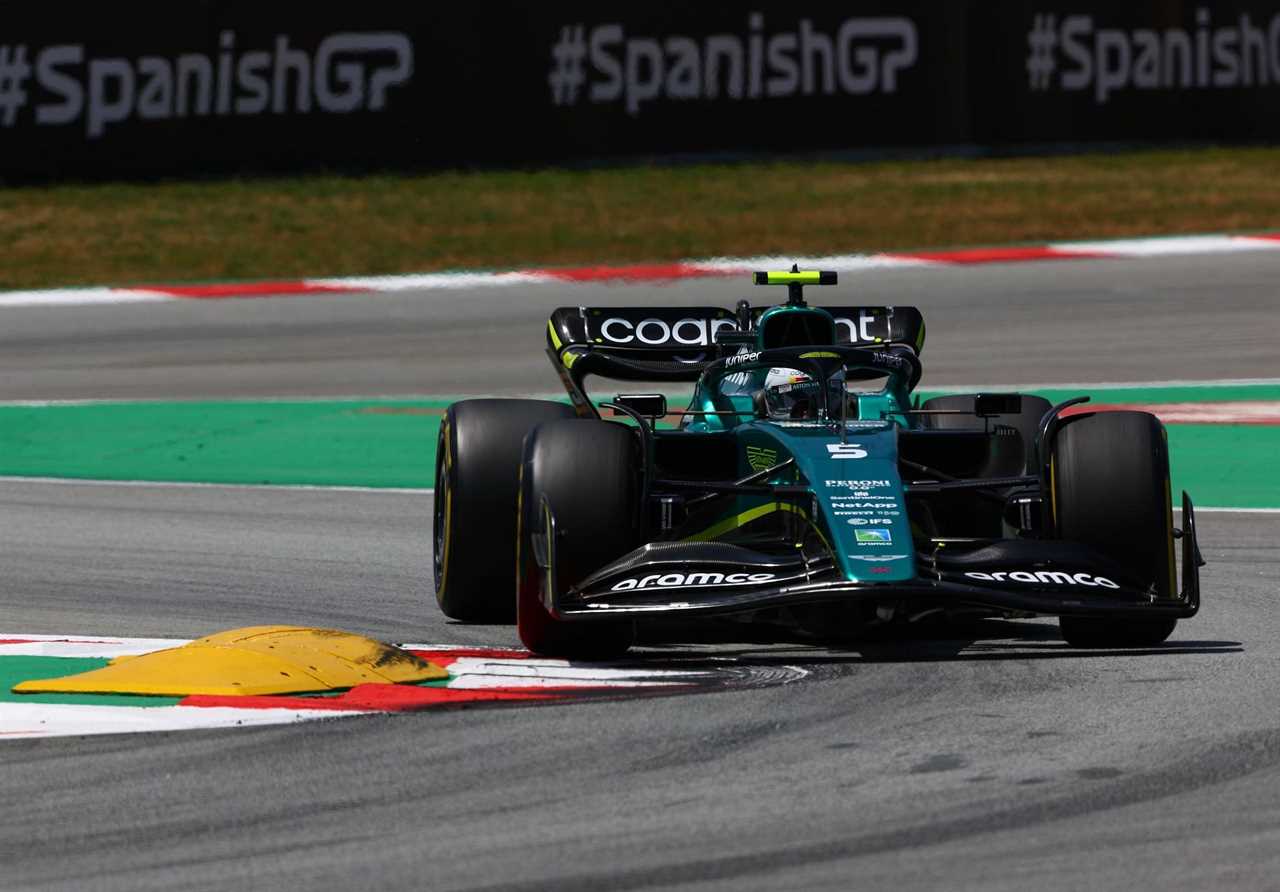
[
  {"x": 559, "y": 396},
  {"x": 845, "y": 263},
  {"x": 1170, "y": 245},
  {"x": 406, "y": 491},
  {"x": 77, "y": 297},
  {"x": 641, "y": 274},
  {"x": 431, "y": 281},
  {"x": 22, "y": 720},
  {"x": 1213, "y": 510},
  {"x": 182, "y": 484}
]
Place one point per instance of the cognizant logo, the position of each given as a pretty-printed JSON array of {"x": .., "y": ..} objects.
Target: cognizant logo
[
  {"x": 656, "y": 332},
  {"x": 861, "y": 56}
]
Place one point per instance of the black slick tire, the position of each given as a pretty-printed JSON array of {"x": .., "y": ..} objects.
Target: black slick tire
[
  {"x": 588, "y": 473},
  {"x": 477, "y": 478},
  {"x": 1110, "y": 478}
]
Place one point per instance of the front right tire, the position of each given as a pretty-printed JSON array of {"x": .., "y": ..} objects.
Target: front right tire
[{"x": 1110, "y": 490}]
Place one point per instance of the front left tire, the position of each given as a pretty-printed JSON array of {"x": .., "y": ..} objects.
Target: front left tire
[
  {"x": 477, "y": 478},
  {"x": 587, "y": 473}
]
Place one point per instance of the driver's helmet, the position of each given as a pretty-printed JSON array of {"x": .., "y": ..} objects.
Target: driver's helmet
[{"x": 790, "y": 393}]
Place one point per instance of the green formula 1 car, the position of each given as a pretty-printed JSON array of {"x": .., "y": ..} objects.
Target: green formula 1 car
[{"x": 801, "y": 488}]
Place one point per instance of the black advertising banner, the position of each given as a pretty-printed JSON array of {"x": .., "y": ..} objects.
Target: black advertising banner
[
  {"x": 159, "y": 88},
  {"x": 224, "y": 86},
  {"x": 1154, "y": 70},
  {"x": 227, "y": 86},
  {"x": 642, "y": 78}
]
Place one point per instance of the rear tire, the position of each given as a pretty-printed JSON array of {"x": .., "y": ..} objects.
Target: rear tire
[
  {"x": 477, "y": 478},
  {"x": 1110, "y": 475},
  {"x": 589, "y": 473}
]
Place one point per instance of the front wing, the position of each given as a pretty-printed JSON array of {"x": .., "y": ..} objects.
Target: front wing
[{"x": 717, "y": 592}]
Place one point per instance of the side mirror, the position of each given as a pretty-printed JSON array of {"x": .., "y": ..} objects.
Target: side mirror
[
  {"x": 647, "y": 405},
  {"x": 988, "y": 405}
]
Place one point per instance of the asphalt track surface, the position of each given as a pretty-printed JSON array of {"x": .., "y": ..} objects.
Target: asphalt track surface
[
  {"x": 990, "y": 757},
  {"x": 1179, "y": 317}
]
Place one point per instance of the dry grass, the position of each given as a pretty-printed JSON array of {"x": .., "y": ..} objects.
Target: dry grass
[{"x": 280, "y": 228}]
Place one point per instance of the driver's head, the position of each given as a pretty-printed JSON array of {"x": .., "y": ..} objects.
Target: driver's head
[{"x": 789, "y": 393}]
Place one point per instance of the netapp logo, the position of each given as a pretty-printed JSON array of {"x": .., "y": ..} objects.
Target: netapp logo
[
  {"x": 863, "y": 56},
  {"x": 1240, "y": 54},
  {"x": 348, "y": 72},
  {"x": 1047, "y": 577},
  {"x": 673, "y": 580}
]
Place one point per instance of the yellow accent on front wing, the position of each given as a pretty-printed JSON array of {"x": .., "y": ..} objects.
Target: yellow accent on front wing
[
  {"x": 740, "y": 520},
  {"x": 555, "y": 339}
]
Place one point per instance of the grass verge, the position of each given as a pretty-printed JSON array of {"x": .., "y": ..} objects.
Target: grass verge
[{"x": 330, "y": 225}]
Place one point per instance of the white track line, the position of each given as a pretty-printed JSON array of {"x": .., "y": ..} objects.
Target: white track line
[
  {"x": 170, "y": 484},
  {"x": 285, "y": 487},
  {"x": 1212, "y": 510},
  {"x": 1139, "y": 248},
  {"x": 78, "y": 297},
  {"x": 1167, "y": 246},
  {"x": 432, "y": 281},
  {"x": 559, "y": 396}
]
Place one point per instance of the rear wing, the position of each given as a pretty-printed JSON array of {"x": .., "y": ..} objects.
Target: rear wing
[{"x": 677, "y": 343}]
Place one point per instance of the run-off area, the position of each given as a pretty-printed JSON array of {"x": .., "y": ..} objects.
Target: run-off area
[{"x": 1221, "y": 439}]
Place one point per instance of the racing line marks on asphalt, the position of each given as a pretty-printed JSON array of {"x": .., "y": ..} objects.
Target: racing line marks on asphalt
[{"x": 1142, "y": 248}]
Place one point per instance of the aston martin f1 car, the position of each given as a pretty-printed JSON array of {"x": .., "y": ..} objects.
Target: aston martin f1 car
[{"x": 802, "y": 488}]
